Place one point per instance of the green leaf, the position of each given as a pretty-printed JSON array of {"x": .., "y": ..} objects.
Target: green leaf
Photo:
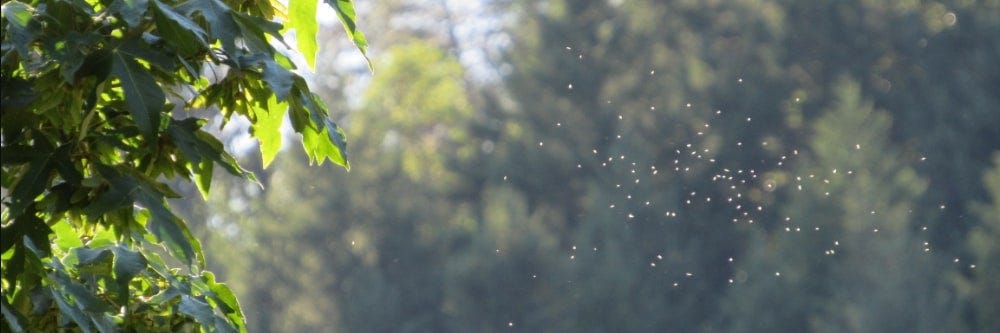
[
  {"x": 267, "y": 129},
  {"x": 203, "y": 177},
  {"x": 126, "y": 266},
  {"x": 347, "y": 16},
  {"x": 11, "y": 316},
  {"x": 227, "y": 302},
  {"x": 168, "y": 228},
  {"x": 88, "y": 256},
  {"x": 141, "y": 49},
  {"x": 321, "y": 138},
  {"x": 197, "y": 309},
  {"x": 24, "y": 228},
  {"x": 132, "y": 11},
  {"x": 93, "y": 261},
  {"x": 118, "y": 195},
  {"x": 201, "y": 149},
  {"x": 327, "y": 143},
  {"x": 18, "y": 94},
  {"x": 84, "y": 299},
  {"x": 278, "y": 78},
  {"x": 35, "y": 178},
  {"x": 18, "y": 16},
  {"x": 71, "y": 311},
  {"x": 66, "y": 237},
  {"x": 97, "y": 64},
  {"x": 220, "y": 21},
  {"x": 143, "y": 97},
  {"x": 62, "y": 163},
  {"x": 302, "y": 18},
  {"x": 127, "y": 263},
  {"x": 181, "y": 32},
  {"x": 254, "y": 29}
]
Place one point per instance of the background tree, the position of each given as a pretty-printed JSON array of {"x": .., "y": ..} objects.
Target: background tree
[
  {"x": 95, "y": 95},
  {"x": 977, "y": 283},
  {"x": 631, "y": 167}
]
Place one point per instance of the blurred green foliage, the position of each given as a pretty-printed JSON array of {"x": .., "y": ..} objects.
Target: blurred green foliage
[{"x": 651, "y": 166}]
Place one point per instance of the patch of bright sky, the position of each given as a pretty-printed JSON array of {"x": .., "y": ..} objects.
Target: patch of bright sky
[{"x": 477, "y": 27}]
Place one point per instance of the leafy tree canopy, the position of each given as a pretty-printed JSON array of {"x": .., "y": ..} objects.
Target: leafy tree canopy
[{"x": 94, "y": 124}]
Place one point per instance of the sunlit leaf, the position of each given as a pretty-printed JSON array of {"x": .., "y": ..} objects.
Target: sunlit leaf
[
  {"x": 347, "y": 16},
  {"x": 203, "y": 177},
  {"x": 267, "y": 129},
  {"x": 302, "y": 18},
  {"x": 228, "y": 303},
  {"x": 66, "y": 236},
  {"x": 325, "y": 143}
]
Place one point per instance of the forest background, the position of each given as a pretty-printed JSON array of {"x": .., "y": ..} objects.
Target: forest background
[{"x": 752, "y": 165}]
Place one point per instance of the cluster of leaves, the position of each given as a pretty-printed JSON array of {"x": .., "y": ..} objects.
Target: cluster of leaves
[{"x": 94, "y": 125}]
